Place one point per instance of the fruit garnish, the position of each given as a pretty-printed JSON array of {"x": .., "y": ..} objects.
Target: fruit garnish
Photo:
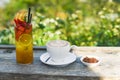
[
  {"x": 21, "y": 15},
  {"x": 23, "y": 23},
  {"x": 20, "y": 23},
  {"x": 18, "y": 33},
  {"x": 25, "y": 39},
  {"x": 23, "y": 18},
  {"x": 22, "y": 27}
]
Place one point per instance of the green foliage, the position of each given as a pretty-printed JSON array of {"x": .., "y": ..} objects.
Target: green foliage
[{"x": 80, "y": 21}]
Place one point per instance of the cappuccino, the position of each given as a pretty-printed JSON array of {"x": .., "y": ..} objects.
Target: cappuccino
[
  {"x": 58, "y": 49},
  {"x": 58, "y": 43}
]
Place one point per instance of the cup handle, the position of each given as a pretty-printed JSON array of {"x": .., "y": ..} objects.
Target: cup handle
[{"x": 73, "y": 47}]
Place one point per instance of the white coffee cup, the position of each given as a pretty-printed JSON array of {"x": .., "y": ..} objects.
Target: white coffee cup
[{"x": 58, "y": 50}]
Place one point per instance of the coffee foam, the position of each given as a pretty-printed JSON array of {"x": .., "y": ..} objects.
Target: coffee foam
[{"x": 58, "y": 43}]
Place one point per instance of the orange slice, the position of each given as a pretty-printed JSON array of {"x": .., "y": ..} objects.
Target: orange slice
[
  {"x": 25, "y": 39},
  {"x": 21, "y": 15}
]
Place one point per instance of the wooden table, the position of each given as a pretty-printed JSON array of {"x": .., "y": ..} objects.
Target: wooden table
[{"x": 107, "y": 70}]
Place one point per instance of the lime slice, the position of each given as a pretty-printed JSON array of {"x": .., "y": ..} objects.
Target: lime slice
[{"x": 25, "y": 39}]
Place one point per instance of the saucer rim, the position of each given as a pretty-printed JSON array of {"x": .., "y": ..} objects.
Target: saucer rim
[{"x": 59, "y": 64}]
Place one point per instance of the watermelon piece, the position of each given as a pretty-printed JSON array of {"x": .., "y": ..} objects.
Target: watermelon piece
[
  {"x": 19, "y": 22},
  {"x": 18, "y": 33},
  {"x": 22, "y": 27}
]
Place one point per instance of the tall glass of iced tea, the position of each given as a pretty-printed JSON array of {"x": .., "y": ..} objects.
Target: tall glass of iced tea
[{"x": 23, "y": 38}]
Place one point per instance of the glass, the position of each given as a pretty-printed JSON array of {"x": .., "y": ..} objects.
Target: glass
[{"x": 24, "y": 42}]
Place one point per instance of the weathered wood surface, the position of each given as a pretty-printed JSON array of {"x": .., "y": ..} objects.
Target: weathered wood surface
[{"x": 107, "y": 70}]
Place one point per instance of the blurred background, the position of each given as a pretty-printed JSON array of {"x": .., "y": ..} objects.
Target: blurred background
[{"x": 81, "y": 22}]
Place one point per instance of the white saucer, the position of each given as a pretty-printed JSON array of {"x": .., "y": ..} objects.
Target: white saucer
[{"x": 68, "y": 60}]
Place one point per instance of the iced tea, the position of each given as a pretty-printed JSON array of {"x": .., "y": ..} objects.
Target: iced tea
[{"x": 24, "y": 41}]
